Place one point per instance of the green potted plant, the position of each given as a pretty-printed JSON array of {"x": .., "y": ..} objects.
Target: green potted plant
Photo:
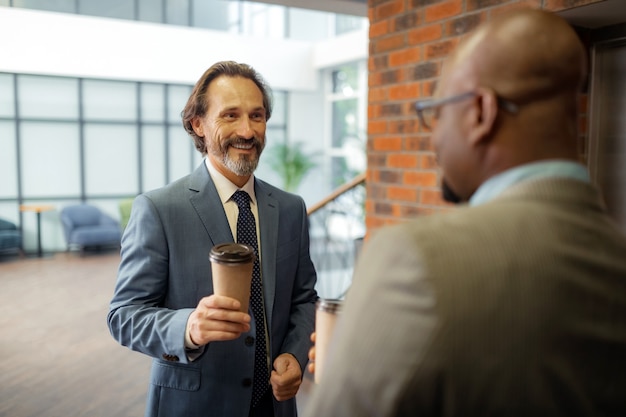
[{"x": 291, "y": 162}]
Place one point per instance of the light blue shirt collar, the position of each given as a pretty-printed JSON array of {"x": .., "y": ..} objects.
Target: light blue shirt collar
[{"x": 545, "y": 169}]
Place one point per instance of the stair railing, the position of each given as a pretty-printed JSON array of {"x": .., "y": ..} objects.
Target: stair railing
[{"x": 337, "y": 228}]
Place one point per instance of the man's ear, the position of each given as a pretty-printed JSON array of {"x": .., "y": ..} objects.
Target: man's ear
[
  {"x": 484, "y": 116},
  {"x": 197, "y": 127}
]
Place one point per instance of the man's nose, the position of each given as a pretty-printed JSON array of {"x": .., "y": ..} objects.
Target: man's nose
[{"x": 244, "y": 128}]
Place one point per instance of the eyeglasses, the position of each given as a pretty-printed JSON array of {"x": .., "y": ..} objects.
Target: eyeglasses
[{"x": 428, "y": 110}]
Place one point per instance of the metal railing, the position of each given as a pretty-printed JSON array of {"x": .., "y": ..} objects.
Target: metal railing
[{"x": 337, "y": 228}]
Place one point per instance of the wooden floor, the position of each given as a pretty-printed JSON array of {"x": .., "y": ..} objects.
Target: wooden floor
[{"x": 57, "y": 358}]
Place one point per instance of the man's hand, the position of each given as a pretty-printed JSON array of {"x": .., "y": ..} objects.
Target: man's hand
[
  {"x": 217, "y": 318},
  {"x": 286, "y": 377},
  {"x": 311, "y": 366}
]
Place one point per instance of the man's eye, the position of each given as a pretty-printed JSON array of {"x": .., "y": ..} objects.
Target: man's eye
[
  {"x": 230, "y": 115},
  {"x": 258, "y": 116}
]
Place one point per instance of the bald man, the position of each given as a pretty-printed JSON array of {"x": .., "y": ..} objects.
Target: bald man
[{"x": 515, "y": 303}]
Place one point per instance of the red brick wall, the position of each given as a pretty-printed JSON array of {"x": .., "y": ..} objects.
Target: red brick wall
[{"x": 409, "y": 39}]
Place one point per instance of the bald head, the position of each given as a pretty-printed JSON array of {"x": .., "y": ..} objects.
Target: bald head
[
  {"x": 531, "y": 58},
  {"x": 525, "y": 55}
]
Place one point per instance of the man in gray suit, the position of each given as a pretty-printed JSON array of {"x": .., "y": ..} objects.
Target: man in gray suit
[
  {"x": 203, "y": 347},
  {"x": 514, "y": 305}
]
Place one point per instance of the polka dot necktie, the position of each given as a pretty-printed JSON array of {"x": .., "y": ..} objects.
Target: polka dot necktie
[{"x": 246, "y": 234}]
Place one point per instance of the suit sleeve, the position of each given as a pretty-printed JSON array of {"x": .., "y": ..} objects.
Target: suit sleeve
[
  {"x": 136, "y": 316},
  {"x": 383, "y": 333}
]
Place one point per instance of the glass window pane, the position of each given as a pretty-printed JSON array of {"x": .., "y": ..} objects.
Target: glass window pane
[
  {"x": 54, "y": 168},
  {"x": 263, "y": 20},
  {"x": 340, "y": 173},
  {"x": 152, "y": 102},
  {"x": 119, "y": 9},
  {"x": 177, "y": 98},
  {"x": 177, "y": 12},
  {"x": 345, "y": 80},
  {"x": 8, "y": 160},
  {"x": 180, "y": 153},
  {"x": 63, "y": 6},
  {"x": 151, "y": 11},
  {"x": 211, "y": 14},
  {"x": 7, "y": 96},
  {"x": 9, "y": 211},
  {"x": 235, "y": 17},
  {"x": 153, "y": 156},
  {"x": 265, "y": 170},
  {"x": 274, "y": 136},
  {"x": 308, "y": 25},
  {"x": 276, "y": 22},
  {"x": 346, "y": 23},
  {"x": 47, "y": 97},
  {"x": 110, "y": 100},
  {"x": 111, "y": 159},
  {"x": 279, "y": 111},
  {"x": 345, "y": 121}
]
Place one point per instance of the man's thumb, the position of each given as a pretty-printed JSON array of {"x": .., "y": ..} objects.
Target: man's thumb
[{"x": 280, "y": 365}]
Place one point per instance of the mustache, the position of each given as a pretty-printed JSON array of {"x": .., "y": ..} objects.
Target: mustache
[{"x": 237, "y": 140}]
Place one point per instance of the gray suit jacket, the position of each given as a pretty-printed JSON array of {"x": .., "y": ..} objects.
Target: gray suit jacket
[
  {"x": 165, "y": 271},
  {"x": 516, "y": 307}
]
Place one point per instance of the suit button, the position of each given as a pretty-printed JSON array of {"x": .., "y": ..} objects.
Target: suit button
[
  {"x": 247, "y": 382},
  {"x": 249, "y": 341}
]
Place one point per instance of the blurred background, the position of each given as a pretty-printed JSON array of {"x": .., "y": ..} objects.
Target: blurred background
[{"x": 91, "y": 94}]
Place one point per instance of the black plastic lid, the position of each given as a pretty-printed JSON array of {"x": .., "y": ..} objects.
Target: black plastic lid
[{"x": 232, "y": 253}]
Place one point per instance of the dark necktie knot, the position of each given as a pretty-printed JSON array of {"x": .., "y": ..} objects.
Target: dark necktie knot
[{"x": 242, "y": 199}]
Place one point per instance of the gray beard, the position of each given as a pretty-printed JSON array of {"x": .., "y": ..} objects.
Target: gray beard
[{"x": 242, "y": 166}]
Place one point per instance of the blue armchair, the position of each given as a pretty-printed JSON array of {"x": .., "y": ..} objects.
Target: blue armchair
[
  {"x": 86, "y": 226},
  {"x": 10, "y": 238}
]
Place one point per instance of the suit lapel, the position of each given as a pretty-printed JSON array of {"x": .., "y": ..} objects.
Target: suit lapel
[
  {"x": 206, "y": 202},
  {"x": 268, "y": 218}
]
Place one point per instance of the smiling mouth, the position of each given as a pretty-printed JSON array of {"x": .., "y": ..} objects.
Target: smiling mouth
[{"x": 244, "y": 146}]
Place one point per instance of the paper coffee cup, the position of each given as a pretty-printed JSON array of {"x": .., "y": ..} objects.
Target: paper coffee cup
[
  {"x": 326, "y": 314},
  {"x": 231, "y": 266}
]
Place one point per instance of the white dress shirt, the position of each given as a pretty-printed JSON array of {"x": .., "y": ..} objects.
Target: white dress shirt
[{"x": 226, "y": 189}]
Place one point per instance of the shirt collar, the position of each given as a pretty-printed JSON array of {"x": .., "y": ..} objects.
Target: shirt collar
[
  {"x": 544, "y": 169},
  {"x": 225, "y": 188}
]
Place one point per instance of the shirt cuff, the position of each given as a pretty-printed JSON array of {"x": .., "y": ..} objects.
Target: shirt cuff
[{"x": 189, "y": 344}]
